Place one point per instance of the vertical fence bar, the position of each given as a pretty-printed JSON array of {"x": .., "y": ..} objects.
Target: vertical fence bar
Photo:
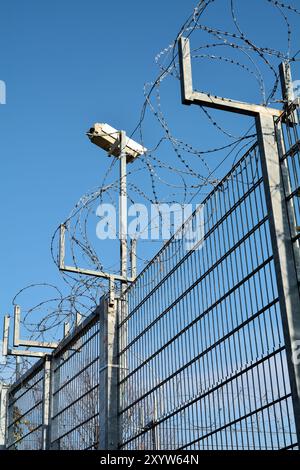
[
  {"x": 5, "y": 335},
  {"x": 286, "y": 274}
]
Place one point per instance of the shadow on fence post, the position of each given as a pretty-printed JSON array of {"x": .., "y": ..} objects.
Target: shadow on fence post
[
  {"x": 108, "y": 377},
  {"x": 3, "y": 412},
  {"x": 46, "y": 404}
]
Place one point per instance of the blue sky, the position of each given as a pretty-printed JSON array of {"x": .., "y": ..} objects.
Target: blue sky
[{"x": 66, "y": 65}]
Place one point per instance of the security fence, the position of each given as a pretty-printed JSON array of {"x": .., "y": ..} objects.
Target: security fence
[{"x": 203, "y": 351}]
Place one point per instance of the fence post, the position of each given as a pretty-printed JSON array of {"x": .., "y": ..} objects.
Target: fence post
[
  {"x": 54, "y": 441},
  {"x": 284, "y": 262},
  {"x": 46, "y": 404},
  {"x": 108, "y": 377},
  {"x": 3, "y": 414}
]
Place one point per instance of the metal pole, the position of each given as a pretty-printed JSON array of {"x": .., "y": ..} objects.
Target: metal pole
[
  {"x": 133, "y": 258},
  {"x": 284, "y": 262},
  {"x": 287, "y": 90},
  {"x": 108, "y": 378},
  {"x": 109, "y": 343},
  {"x": 185, "y": 64},
  {"x": 121, "y": 305},
  {"x": 18, "y": 367},
  {"x": 5, "y": 335},
  {"x": 46, "y": 404},
  {"x": 286, "y": 82},
  {"x": 53, "y": 434},
  {"x": 62, "y": 238},
  {"x": 287, "y": 186},
  {"x": 66, "y": 328},
  {"x": 17, "y": 319},
  {"x": 78, "y": 318}
]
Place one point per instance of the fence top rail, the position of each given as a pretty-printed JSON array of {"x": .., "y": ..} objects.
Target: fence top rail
[{"x": 167, "y": 243}]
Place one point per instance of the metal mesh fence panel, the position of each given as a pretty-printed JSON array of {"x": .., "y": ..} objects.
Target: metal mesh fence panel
[
  {"x": 75, "y": 400},
  {"x": 202, "y": 339}
]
